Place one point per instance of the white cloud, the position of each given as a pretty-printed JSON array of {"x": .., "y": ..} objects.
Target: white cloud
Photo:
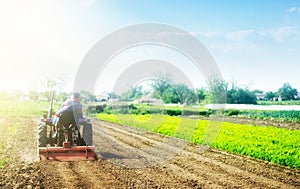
[
  {"x": 236, "y": 35},
  {"x": 283, "y": 34},
  {"x": 223, "y": 47},
  {"x": 210, "y": 34},
  {"x": 239, "y": 35},
  {"x": 294, "y": 9},
  {"x": 249, "y": 40}
]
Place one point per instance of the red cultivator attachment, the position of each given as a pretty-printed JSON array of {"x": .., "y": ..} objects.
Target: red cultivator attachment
[{"x": 67, "y": 153}]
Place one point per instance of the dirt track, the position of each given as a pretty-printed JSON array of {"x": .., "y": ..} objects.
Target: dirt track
[{"x": 132, "y": 158}]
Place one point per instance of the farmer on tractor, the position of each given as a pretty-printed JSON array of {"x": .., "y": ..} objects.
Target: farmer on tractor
[{"x": 71, "y": 111}]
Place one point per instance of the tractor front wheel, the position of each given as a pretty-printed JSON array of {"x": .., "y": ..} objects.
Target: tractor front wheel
[{"x": 42, "y": 135}]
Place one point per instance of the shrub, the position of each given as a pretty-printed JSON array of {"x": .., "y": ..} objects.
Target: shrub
[
  {"x": 172, "y": 112},
  {"x": 232, "y": 112}
]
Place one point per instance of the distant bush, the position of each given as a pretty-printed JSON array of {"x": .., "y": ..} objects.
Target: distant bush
[
  {"x": 99, "y": 108},
  {"x": 173, "y": 112},
  {"x": 108, "y": 110},
  {"x": 231, "y": 112},
  {"x": 138, "y": 109}
]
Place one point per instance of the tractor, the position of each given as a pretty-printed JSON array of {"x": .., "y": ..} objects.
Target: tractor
[{"x": 64, "y": 138}]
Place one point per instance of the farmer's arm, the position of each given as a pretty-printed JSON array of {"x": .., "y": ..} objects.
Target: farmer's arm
[{"x": 62, "y": 110}]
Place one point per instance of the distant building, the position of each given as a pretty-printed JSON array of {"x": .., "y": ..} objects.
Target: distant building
[
  {"x": 277, "y": 98},
  {"x": 260, "y": 96},
  {"x": 103, "y": 97},
  {"x": 148, "y": 99}
]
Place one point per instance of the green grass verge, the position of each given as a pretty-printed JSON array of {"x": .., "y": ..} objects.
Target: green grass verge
[
  {"x": 280, "y": 146},
  {"x": 24, "y": 108}
]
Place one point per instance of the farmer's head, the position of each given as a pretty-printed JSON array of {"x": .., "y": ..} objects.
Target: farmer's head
[{"x": 75, "y": 96}]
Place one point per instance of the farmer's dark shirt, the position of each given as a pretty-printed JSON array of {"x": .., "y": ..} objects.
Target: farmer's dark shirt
[{"x": 74, "y": 107}]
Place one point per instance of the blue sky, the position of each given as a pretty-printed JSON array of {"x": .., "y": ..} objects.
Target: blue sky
[{"x": 254, "y": 43}]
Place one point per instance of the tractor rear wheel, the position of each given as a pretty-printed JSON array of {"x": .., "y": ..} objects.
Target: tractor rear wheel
[
  {"x": 88, "y": 134},
  {"x": 42, "y": 132}
]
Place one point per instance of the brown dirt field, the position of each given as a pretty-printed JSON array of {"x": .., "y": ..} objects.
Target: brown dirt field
[{"x": 132, "y": 158}]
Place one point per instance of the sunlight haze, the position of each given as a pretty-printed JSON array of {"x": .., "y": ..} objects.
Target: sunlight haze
[{"x": 255, "y": 43}]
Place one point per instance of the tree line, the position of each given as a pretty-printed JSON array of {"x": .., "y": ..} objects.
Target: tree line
[
  {"x": 286, "y": 92},
  {"x": 217, "y": 91},
  {"x": 164, "y": 88}
]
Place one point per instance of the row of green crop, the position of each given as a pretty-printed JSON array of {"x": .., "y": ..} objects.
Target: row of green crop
[
  {"x": 290, "y": 115},
  {"x": 275, "y": 145},
  {"x": 285, "y": 102}
]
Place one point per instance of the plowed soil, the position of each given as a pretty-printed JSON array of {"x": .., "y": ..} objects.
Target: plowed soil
[{"x": 132, "y": 158}]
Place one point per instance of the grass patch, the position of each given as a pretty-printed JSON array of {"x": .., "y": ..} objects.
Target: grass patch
[
  {"x": 13, "y": 128},
  {"x": 3, "y": 162}
]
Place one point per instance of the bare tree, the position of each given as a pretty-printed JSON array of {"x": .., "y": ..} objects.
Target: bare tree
[{"x": 50, "y": 84}]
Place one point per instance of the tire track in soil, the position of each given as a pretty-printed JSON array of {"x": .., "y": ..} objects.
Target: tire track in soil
[
  {"x": 80, "y": 174},
  {"x": 216, "y": 171},
  {"x": 181, "y": 168},
  {"x": 72, "y": 178},
  {"x": 171, "y": 168}
]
